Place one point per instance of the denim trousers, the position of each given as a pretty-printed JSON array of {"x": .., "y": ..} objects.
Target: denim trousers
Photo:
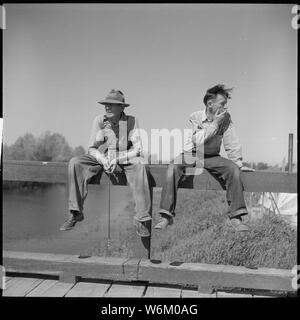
[
  {"x": 222, "y": 169},
  {"x": 83, "y": 168}
]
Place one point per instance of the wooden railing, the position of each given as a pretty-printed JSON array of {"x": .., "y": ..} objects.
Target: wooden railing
[{"x": 56, "y": 172}]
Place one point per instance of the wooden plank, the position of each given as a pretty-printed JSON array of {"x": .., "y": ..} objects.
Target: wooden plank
[
  {"x": 6, "y": 279},
  {"x": 203, "y": 275},
  {"x": 215, "y": 276},
  {"x": 19, "y": 287},
  {"x": 125, "y": 290},
  {"x": 56, "y": 172},
  {"x": 59, "y": 289},
  {"x": 92, "y": 267},
  {"x": 42, "y": 288},
  {"x": 88, "y": 289},
  {"x": 185, "y": 293},
  {"x": 130, "y": 268},
  {"x": 24, "y": 271},
  {"x": 162, "y": 292},
  {"x": 221, "y": 294}
]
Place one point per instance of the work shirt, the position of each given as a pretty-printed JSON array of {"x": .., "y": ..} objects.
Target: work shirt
[
  {"x": 207, "y": 136},
  {"x": 119, "y": 138}
]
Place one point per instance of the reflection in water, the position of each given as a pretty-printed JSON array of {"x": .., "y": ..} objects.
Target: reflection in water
[{"x": 31, "y": 220}]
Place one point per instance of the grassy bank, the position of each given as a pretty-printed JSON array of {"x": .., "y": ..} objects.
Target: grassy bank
[{"x": 200, "y": 234}]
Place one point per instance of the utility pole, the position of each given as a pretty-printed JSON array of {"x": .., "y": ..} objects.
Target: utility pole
[{"x": 290, "y": 153}]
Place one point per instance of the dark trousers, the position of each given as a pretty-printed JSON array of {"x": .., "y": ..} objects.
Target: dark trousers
[
  {"x": 219, "y": 168},
  {"x": 83, "y": 168}
]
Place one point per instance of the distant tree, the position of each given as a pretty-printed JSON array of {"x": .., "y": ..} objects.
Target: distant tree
[
  {"x": 248, "y": 164},
  {"x": 48, "y": 147},
  {"x": 22, "y": 149},
  {"x": 261, "y": 166},
  {"x": 79, "y": 151},
  {"x": 53, "y": 147},
  {"x": 6, "y": 152}
]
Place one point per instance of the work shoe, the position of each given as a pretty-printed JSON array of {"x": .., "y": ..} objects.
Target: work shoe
[
  {"x": 141, "y": 229},
  {"x": 237, "y": 224},
  {"x": 163, "y": 222},
  {"x": 69, "y": 224}
]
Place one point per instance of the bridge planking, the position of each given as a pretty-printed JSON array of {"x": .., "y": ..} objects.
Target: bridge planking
[{"x": 83, "y": 289}]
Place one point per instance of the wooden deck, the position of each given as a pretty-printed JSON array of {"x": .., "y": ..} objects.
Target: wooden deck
[{"x": 41, "y": 287}]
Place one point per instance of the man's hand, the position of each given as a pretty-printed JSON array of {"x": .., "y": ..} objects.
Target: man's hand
[
  {"x": 112, "y": 165},
  {"x": 222, "y": 120},
  {"x": 104, "y": 161},
  {"x": 219, "y": 116},
  {"x": 244, "y": 168}
]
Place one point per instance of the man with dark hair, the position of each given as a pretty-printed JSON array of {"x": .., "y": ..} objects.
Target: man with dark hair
[
  {"x": 209, "y": 128},
  {"x": 115, "y": 142}
]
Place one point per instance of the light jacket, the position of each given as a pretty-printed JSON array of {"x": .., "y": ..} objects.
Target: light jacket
[{"x": 208, "y": 137}]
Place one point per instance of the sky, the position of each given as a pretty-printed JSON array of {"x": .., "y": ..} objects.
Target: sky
[{"x": 60, "y": 59}]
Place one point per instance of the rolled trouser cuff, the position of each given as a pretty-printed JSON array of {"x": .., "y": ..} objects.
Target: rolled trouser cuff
[
  {"x": 75, "y": 208},
  {"x": 143, "y": 218},
  {"x": 166, "y": 212},
  {"x": 237, "y": 213}
]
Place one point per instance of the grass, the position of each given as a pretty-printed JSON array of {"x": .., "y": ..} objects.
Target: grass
[{"x": 200, "y": 234}]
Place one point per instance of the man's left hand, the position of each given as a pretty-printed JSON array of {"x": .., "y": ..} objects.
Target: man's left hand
[{"x": 244, "y": 168}]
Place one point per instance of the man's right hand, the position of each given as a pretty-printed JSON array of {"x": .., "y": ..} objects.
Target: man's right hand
[
  {"x": 103, "y": 160},
  {"x": 219, "y": 116}
]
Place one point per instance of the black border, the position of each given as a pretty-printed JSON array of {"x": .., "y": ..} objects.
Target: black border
[{"x": 90, "y": 308}]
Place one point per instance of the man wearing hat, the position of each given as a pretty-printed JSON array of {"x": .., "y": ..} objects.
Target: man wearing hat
[{"x": 115, "y": 142}]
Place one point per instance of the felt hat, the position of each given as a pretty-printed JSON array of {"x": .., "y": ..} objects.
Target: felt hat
[{"x": 116, "y": 97}]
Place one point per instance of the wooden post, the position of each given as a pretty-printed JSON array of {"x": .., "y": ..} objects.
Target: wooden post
[
  {"x": 251, "y": 193},
  {"x": 290, "y": 154},
  {"x": 283, "y": 165},
  {"x": 108, "y": 243},
  {"x": 143, "y": 247},
  {"x": 150, "y": 224}
]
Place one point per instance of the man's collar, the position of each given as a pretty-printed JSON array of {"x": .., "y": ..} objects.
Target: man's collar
[{"x": 204, "y": 116}]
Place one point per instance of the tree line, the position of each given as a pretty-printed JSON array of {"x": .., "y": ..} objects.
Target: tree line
[{"x": 47, "y": 147}]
